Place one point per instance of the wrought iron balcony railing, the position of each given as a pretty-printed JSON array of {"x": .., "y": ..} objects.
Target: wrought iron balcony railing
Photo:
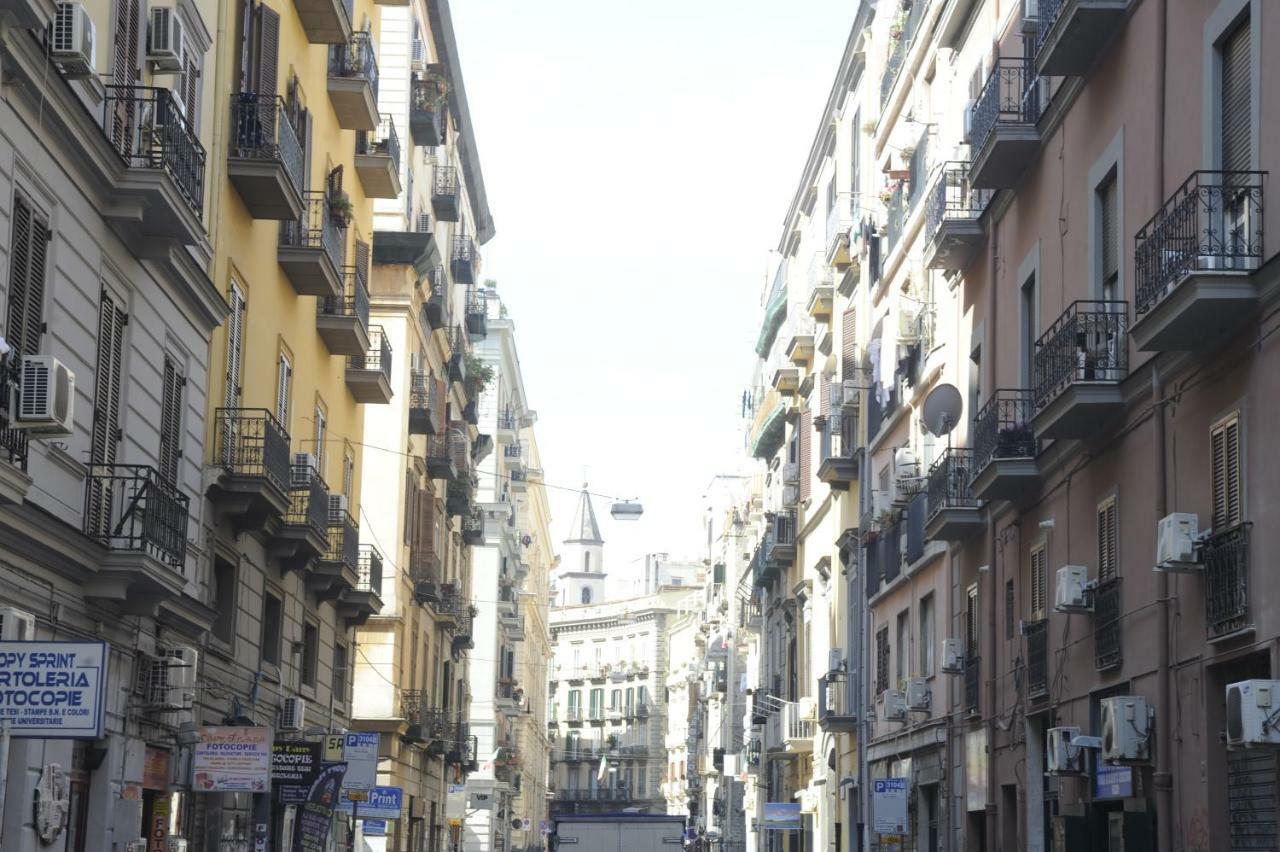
[
  {"x": 384, "y": 140},
  {"x": 353, "y": 303},
  {"x": 835, "y": 700},
  {"x": 972, "y": 683},
  {"x": 444, "y": 182},
  {"x": 463, "y": 260},
  {"x": 356, "y": 59},
  {"x": 344, "y": 539},
  {"x": 902, "y": 33},
  {"x": 1107, "y": 649},
  {"x": 1037, "y": 633},
  {"x": 149, "y": 131},
  {"x": 1088, "y": 343},
  {"x": 132, "y": 508},
  {"x": 1212, "y": 223},
  {"x": 949, "y": 481},
  {"x": 369, "y": 570},
  {"x": 1226, "y": 581},
  {"x": 1002, "y": 429},
  {"x": 251, "y": 442},
  {"x": 1011, "y": 95},
  {"x": 317, "y": 228},
  {"x": 13, "y": 442},
  {"x": 261, "y": 129},
  {"x": 378, "y": 357},
  {"x": 952, "y": 198},
  {"x": 308, "y": 501}
]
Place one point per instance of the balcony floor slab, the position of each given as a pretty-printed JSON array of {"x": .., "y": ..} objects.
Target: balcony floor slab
[
  {"x": 1005, "y": 156},
  {"x": 1079, "y": 35},
  {"x": 954, "y": 524},
  {"x": 1079, "y": 411},
  {"x": 1006, "y": 479},
  {"x": 1198, "y": 313}
]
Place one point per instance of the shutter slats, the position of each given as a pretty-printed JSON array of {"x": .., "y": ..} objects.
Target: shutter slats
[
  {"x": 1108, "y": 556},
  {"x": 1110, "y": 226},
  {"x": 171, "y": 421},
  {"x": 1236, "y": 110},
  {"x": 235, "y": 345},
  {"x": 19, "y": 275},
  {"x": 849, "y": 345},
  {"x": 1039, "y": 559},
  {"x": 806, "y": 431},
  {"x": 284, "y": 390},
  {"x": 1224, "y": 445}
]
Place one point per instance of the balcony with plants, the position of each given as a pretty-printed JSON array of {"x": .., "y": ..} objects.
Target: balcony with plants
[
  {"x": 368, "y": 375},
  {"x": 1005, "y": 447},
  {"x": 1003, "y": 136},
  {"x": 303, "y": 534},
  {"x": 952, "y": 227},
  {"x": 377, "y": 159},
  {"x": 903, "y": 30},
  {"x": 1071, "y": 34},
  {"x": 428, "y": 92},
  {"x": 313, "y": 247},
  {"x": 251, "y": 454},
  {"x": 1077, "y": 369},
  {"x": 265, "y": 159},
  {"x": 953, "y": 510},
  {"x": 477, "y": 312},
  {"x": 343, "y": 321},
  {"x": 353, "y": 83},
  {"x": 1195, "y": 262}
]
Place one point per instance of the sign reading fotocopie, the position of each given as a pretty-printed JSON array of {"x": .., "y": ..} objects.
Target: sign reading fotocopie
[{"x": 53, "y": 690}]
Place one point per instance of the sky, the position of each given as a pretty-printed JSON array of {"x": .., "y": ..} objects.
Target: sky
[{"x": 639, "y": 158}]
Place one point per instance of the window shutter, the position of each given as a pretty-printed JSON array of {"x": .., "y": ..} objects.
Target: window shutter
[
  {"x": 30, "y": 243},
  {"x": 1237, "y": 153},
  {"x": 319, "y": 438},
  {"x": 235, "y": 346},
  {"x": 266, "y": 66},
  {"x": 362, "y": 262},
  {"x": 971, "y": 622},
  {"x": 284, "y": 390},
  {"x": 1108, "y": 196},
  {"x": 1039, "y": 559},
  {"x": 171, "y": 421},
  {"x": 410, "y": 510},
  {"x": 824, "y": 397},
  {"x": 849, "y": 345},
  {"x": 1108, "y": 553},
  {"x": 107, "y": 378},
  {"x": 806, "y": 432},
  {"x": 191, "y": 90},
  {"x": 1225, "y": 448}
]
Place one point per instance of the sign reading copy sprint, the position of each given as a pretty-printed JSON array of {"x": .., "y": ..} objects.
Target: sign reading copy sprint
[{"x": 53, "y": 690}]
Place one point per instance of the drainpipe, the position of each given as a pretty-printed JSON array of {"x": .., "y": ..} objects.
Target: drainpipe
[{"x": 989, "y": 590}]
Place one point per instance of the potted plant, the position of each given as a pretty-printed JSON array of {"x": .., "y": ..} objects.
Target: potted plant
[
  {"x": 479, "y": 374},
  {"x": 340, "y": 207},
  {"x": 886, "y": 195}
]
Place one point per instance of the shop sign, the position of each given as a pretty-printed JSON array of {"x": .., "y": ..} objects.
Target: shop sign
[
  {"x": 781, "y": 816},
  {"x": 381, "y": 803},
  {"x": 155, "y": 769},
  {"x": 889, "y": 805},
  {"x": 311, "y": 832},
  {"x": 975, "y": 770},
  {"x": 294, "y": 767},
  {"x": 232, "y": 759},
  {"x": 373, "y": 827},
  {"x": 1112, "y": 782},
  {"x": 158, "y": 831},
  {"x": 53, "y": 690},
  {"x": 360, "y": 753}
]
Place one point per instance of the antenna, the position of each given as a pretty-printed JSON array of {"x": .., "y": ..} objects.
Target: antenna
[{"x": 942, "y": 409}]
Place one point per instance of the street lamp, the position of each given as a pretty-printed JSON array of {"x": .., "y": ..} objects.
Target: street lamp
[{"x": 626, "y": 510}]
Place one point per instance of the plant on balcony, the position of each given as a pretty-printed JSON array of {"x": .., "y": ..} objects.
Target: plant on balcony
[
  {"x": 435, "y": 87},
  {"x": 479, "y": 374},
  {"x": 1015, "y": 442},
  {"x": 340, "y": 207}
]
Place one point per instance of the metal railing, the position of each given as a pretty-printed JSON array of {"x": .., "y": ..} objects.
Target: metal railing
[
  {"x": 972, "y": 683},
  {"x": 1107, "y": 650},
  {"x": 379, "y": 355},
  {"x": 949, "y": 479},
  {"x": 423, "y": 394},
  {"x": 1226, "y": 581},
  {"x": 444, "y": 182},
  {"x": 952, "y": 198},
  {"x": 13, "y": 442},
  {"x": 355, "y": 301},
  {"x": 308, "y": 502},
  {"x": 262, "y": 130},
  {"x": 1011, "y": 95},
  {"x": 902, "y": 33},
  {"x": 356, "y": 59},
  {"x": 317, "y": 228},
  {"x": 1212, "y": 223},
  {"x": 369, "y": 570},
  {"x": 462, "y": 260},
  {"x": 1088, "y": 343},
  {"x": 473, "y": 527},
  {"x": 251, "y": 442},
  {"x": 477, "y": 301},
  {"x": 1037, "y": 633},
  {"x": 148, "y": 130},
  {"x": 780, "y": 534},
  {"x": 381, "y": 141},
  {"x": 344, "y": 540},
  {"x": 1002, "y": 429},
  {"x": 1047, "y": 12},
  {"x": 839, "y": 436},
  {"x": 133, "y": 508},
  {"x": 835, "y": 699}
]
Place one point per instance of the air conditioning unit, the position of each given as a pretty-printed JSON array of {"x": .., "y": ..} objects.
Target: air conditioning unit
[
  {"x": 1061, "y": 757},
  {"x": 791, "y": 472},
  {"x": 893, "y": 706},
  {"x": 1126, "y": 728},
  {"x": 305, "y": 468},
  {"x": 172, "y": 684},
  {"x": 790, "y": 495},
  {"x": 850, "y": 393},
  {"x": 293, "y": 717},
  {"x": 919, "y": 699},
  {"x": 177, "y": 844},
  {"x": 164, "y": 39},
  {"x": 136, "y": 846},
  {"x": 337, "y": 508},
  {"x": 1072, "y": 594},
  {"x": 71, "y": 44},
  {"x": 905, "y": 476},
  {"x": 1176, "y": 543},
  {"x": 44, "y": 395},
  {"x": 1252, "y": 718},
  {"x": 17, "y": 625},
  {"x": 835, "y": 660},
  {"x": 835, "y": 395},
  {"x": 952, "y": 657}
]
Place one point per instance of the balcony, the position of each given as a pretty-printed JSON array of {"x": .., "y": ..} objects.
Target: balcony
[
  {"x": 343, "y": 321},
  {"x": 427, "y": 113},
  {"x": 800, "y": 341},
  {"x": 313, "y": 248},
  {"x": 445, "y": 193},
  {"x": 1073, "y": 33},
  {"x": 160, "y": 194},
  {"x": 1003, "y": 134},
  {"x": 251, "y": 449},
  {"x": 1107, "y": 653},
  {"x": 789, "y": 730},
  {"x": 447, "y": 454},
  {"x": 369, "y": 375},
  {"x": 477, "y": 313},
  {"x": 303, "y": 535},
  {"x": 506, "y": 427},
  {"x": 416, "y": 248},
  {"x": 14, "y": 482},
  {"x": 1005, "y": 447},
  {"x": 459, "y": 348},
  {"x": 902, "y": 34},
  {"x": 838, "y": 450},
  {"x": 141, "y": 519},
  {"x": 972, "y": 684},
  {"x": 836, "y": 711},
  {"x": 357, "y": 604},
  {"x": 264, "y": 158},
  {"x": 573, "y": 716},
  {"x": 780, "y": 540},
  {"x": 435, "y": 305},
  {"x": 425, "y": 416},
  {"x": 335, "y": 571},
  {"x": 1194, "y": 262},
  {"x": 1077, "y": 370},
  {"x": 953, "y": 510},
  {"x": 353, "y": 83},
  {"x": 1226, "y": 583},
  {"x": 473, "y": 528},
  {"x": 952, "y": 230},
  {"x": 785, "y": 379},
  {"x": 424, "y": 725},
  {"x": 378, "y": 159},
  {"x": 462, "y": 263},
  {"x": 840, "y": 219},
  {"x": 1037, "y": 633},
  {"x": 460, "y": 492},
  {"x": 325, "y": 21}
]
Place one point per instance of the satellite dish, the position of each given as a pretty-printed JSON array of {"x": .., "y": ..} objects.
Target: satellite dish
[
  {"x": 517, "y": 823},
  {"x": 942, "y": 409}
]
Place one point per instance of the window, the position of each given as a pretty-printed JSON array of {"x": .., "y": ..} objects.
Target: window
[
  {"x": 903, "y": 640},
  {"x": 586, "y": 594},
  {"x": 1224, "y": 446},
  {"x": 105, "y": 433},
  {"x": 1029, "y": 325},
  {"x": 284, "y": 390},
  {"x": 171, "y": 420},
  {"x": 30, "y": 237},
  {"x": 223, "y": 598},
  {"x": 188, "y": 90},
  {"x": 575, "y": 701},
  {"x": 1108, "y": 552},
  {"x": 597, "y": 703},
  {"x": 310, "y": 653},
  {"x": 1109, "y": 234},
  {"x": 615, "y": 699},
  {"x": 340, "y": 673},
  {"x": 1236, "y": 117},
  {"x": 928, "y": 641},
  {"x": 272, "y": 618},
  {"x": 235, "y": 345},
  {"x": 882, "y": 660},
  {"x": 1009, "y": 618},
  {"x": 806, "y": 433},
  {"x": 1039, "y": 580},
  {"x": 320, "y": 439},
  {"x": 348, "y": 474},
  {"x": 855, "y": 154},
  {"x": 631, "y": 701},
  {"x": 971, "y": 624}
]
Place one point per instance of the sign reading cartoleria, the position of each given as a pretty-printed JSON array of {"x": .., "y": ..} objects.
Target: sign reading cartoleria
[{"x": 53, "y": 690}]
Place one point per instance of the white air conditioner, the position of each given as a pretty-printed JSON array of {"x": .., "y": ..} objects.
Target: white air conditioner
[
  {"x": 919, "y": 699},
  {"x": 904, "y": 476},
  {"x": 17, "y": 625},
  {"x": 293, "y": 717},
  {"x": 1253, "y": 718},
  {"x": 1176, "y": 543},
  {"x": 791, "y": 472},
  {"x": 177, "y": 844},
  {"x": 850, "y": 393},
  {"x": 1061, "y": 757},
  {"x": 791, "y": 495},
  {"x": 952, "y": 657},
  {"x": 71, "y": 44},
  {"x": 893, "y": 706},
  {"x": 1126, "y": 728},
  {"x": 835, "y": 660},
  {"x": 835, "y": 395},
  {"x": 305, "y": 468},
  {"x": 136, "y": 846},
  {"x": 337, "y": 508},
  {"x": 1072, "y": 593},
  {"x": 164, "y": 39},
  {"x": 172, "y": 685},
  {"x": 44, "y": 395}
]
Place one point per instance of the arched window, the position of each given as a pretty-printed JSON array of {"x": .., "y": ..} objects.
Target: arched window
[{"x": 586, "y": 594}]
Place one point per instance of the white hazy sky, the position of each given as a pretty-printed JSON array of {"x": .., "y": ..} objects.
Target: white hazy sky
[{"x": 639, "y": 158}]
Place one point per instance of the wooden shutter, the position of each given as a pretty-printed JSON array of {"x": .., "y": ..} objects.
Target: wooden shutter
[
  {"x": 126, "y": 70},
  {"x": 267, "y": 55},
  {"x": 191, "y": 89},
  {"x": 107, "y": 378},
  {"x": 1237, "y": 149},
  {"x": 849, "y": 345},
  {"x": 284, "y": 390},
  {"x": 30, "y": 244},
  {"x": 806, "y": 434},
  {"x": 1109, "y": 225},
  {"x": 1224, "y": 443},
  {"x": 235, "y": 346},
  {"x": 362, "y": 262},
  {"x": 410, "y": 509},
  {"x": 320, "y": 438},
  {"x": 171, "y": 420},
  {"x": 1108, "y": 544},
  {"x": 1039, "y": 581},
  {"x": 824, "y": 397}
]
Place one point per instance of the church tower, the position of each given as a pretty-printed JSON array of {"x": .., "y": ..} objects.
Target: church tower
[{"x": 581, "y": 576}]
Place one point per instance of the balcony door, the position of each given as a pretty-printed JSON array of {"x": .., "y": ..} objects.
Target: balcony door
[{"x": 105, "y": 435}]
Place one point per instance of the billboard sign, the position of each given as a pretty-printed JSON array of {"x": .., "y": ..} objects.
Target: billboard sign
[{"x": 53, "y": 690}]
